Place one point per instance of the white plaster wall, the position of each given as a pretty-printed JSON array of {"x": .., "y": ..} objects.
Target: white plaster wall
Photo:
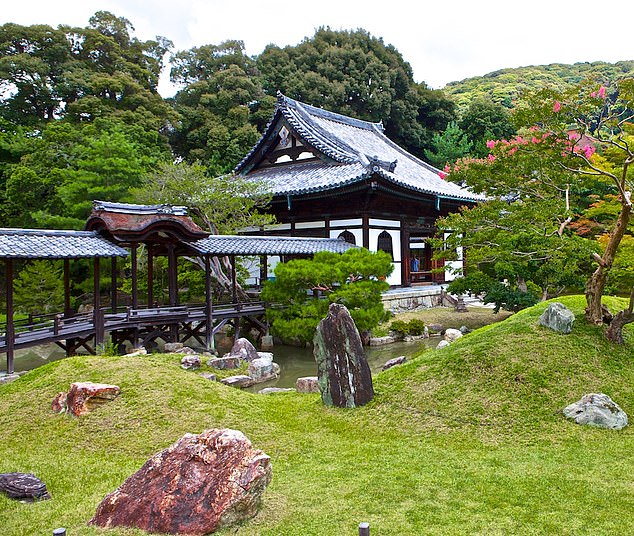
[
  {"x": 454, "y": 265},
  {"x": 358, "y": 234},
  {"x": 396, "y": 241}
]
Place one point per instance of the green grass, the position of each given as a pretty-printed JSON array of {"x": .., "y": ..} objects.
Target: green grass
[{"x": 464, "y": 440}]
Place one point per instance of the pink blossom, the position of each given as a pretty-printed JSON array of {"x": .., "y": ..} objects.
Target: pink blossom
[
  {"x": 535, "y": 140},
  {"x": 490, "y": 144},
  {"x": 513, "y": 150},
  {"x": 556, "y": 106},
  {"x": 601, "y": 92},
  {"x": 588, "y": 150},
  {"x": 447, "y": 168},
  {"x": 442, "y": 175},
  {"x": 491, "y": 158},
  {"x": 593, "y": 94}
]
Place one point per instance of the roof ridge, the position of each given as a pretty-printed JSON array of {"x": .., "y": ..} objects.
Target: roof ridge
[{"x": 49, "y": 232}]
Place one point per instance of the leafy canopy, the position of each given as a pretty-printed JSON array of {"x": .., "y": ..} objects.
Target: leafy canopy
[{"x": 304, "y": 288}]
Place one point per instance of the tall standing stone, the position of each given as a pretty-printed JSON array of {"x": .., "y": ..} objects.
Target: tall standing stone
[{"x": 344, "y": 375}]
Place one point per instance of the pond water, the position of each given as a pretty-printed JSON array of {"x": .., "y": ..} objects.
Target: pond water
[
  {"x": 297, "y": 362},
  {"x": 294, "y": 362}
]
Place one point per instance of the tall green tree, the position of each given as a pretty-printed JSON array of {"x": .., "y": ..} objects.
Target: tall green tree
[
  {"x": 485, "y": 120},
  {"x": 356, "y": 74},
  {"x": 577, "y": 137},
  {"x": 448, "y": 146},
  {"x": 306, "y": 287},
  {"x": 221, "y": 105}
]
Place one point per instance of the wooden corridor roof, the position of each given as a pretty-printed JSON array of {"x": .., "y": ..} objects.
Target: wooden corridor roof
[
  {"x": 267, "y": 245},
  {"x": 48, "y": 244}
]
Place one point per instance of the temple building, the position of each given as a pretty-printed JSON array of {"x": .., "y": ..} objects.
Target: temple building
[{"x": 332, "y": 176}]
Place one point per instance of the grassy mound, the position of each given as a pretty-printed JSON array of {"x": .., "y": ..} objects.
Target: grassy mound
[{"x": 464, "y": 440}]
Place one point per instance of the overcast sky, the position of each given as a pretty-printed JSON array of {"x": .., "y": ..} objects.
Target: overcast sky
[{"x": 444, "y": 41}]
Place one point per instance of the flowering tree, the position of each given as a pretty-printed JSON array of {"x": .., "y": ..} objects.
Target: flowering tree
[{"x": 575, "y": 143}]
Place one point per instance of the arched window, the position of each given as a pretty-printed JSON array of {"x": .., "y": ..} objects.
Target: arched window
[
  {"x": 385, "y": 243},
  {"x": 348, "y": 237}
]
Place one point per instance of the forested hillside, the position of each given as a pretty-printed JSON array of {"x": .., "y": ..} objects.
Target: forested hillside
[{"x": 507, "y": 85}]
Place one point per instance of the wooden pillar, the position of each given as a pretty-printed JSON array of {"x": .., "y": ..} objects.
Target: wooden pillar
[
  {"x": 135, "y": 276},
  {"x": 97, "y": 317},
  {"x": 209, "y": 311},
  {"x": 264, "y": 269},
  {"x": 172, "y": 274},
  {"x": 405, "y": 257},
  {"x": 234, "y": 285},
  {"x": 366, "y": 231},
  {"x": 113, "y": 283},
  {"x": 67, "y": 310},
  {"x": 10, "y": 333},
  {"x": 150, "y": 276}
]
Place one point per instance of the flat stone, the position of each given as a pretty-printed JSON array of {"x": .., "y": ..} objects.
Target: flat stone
[
  {"x": 8, "y": 378},
  {"x": 225, "y": 363},
  {"x": 23, "y": 486},
  {"x": 395, "y": 361},
  {"x": 137, "y": 351},
  {"x": 272, "y": 390},
  {"x": 266, "y": 343},
  {"x": 307, "y": 384},
  {"x": 172, "y": 347},
  {"x": 209, "y": 376},
  {"x": 200, "y": 484},
  {"x": 443, "y": 343},
  {"x": 241, "y": 380},
  {"x": 190, "y": 362}
]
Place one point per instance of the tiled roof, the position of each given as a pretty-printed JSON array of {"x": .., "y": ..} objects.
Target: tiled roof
[
  {"x": 44, "y": 244},
  {"x": 129, "y": 208},
  {"x": 267, "y": 245},
  {"x": 358, "y": 148}
]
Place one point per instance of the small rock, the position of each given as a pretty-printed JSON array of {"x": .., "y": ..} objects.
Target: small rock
[
  {"x": 597, "y": 409},
  {"x": 224, "y": 363},
  {"x": 381, "y": 341},
  {"x": 452, "y": 334},
  {"x": 23, "y": 486},
  {"x": 243, "y": 349},
  {"x": 442, "y": 344},
  {"x": 173, "y": 347},
  {"x": 464, "y": 330},
  {"x": 8, "y": 378},
  {"x": 83, "y": 397},
  {"x": 186, "y": 350},
  {"x": 209, "y": 376},
  {"x": 263, "y": 369},
  {"x": 435, "y": 328},
  {"x": 395, "y": 361},
  {"x": 59, "y": 402},
  {"x": 241, "y": 380},
  {"x": 271, "y": 390},
  {"x": 557, "y": 317},
  {"x": 190, "y": 362},
  {"x": 307, "y": 384},
  {"x": 137, "y": 351}
]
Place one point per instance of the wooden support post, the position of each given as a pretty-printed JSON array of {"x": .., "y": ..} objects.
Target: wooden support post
[
  {"x": 366, "y": 231},
  {"x": 150, "y": 276},
  {"x": 172, "y": 274},
  {"x": 67, "y": 310},
  {"x": 97, "y": 316},
  {"x": 264, "y": 269},
  {"x": 364, "y": 529},
  {"x": 113, "y": 284},
  {"x": 135, "y": 275},
  {"x": 234, "y": 286},
  {"x": 405, "y": 257},
  {"x": 209, "y": 311},
  {"x": 10, "y": 333}
]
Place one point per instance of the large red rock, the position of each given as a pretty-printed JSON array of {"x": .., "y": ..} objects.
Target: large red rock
[
  {"x": 199, "y": 484},
  {"x": 83, "y": 397}
]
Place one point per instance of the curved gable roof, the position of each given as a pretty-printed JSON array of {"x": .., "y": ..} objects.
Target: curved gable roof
[{"x": 352, "y": 150}]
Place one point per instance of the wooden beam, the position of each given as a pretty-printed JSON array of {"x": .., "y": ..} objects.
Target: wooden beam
[
  {"x": 67, "y": 310},
  {"x": 10, "y": 333},
  {"x": 113, "y": 283},
  {"x": 135, "y": 276},
  {"x": 172, "y": 275},
  {"x": 150, "y": 276},
  {"x": 209, "y": 311},
  {"x": 97, "y": 316}
]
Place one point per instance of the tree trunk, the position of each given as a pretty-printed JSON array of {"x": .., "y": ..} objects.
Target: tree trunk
[
  {"x": 615, "y": 332},
  {"x": 521, "y": 284},
  {"x": 595, "y": 313}
]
